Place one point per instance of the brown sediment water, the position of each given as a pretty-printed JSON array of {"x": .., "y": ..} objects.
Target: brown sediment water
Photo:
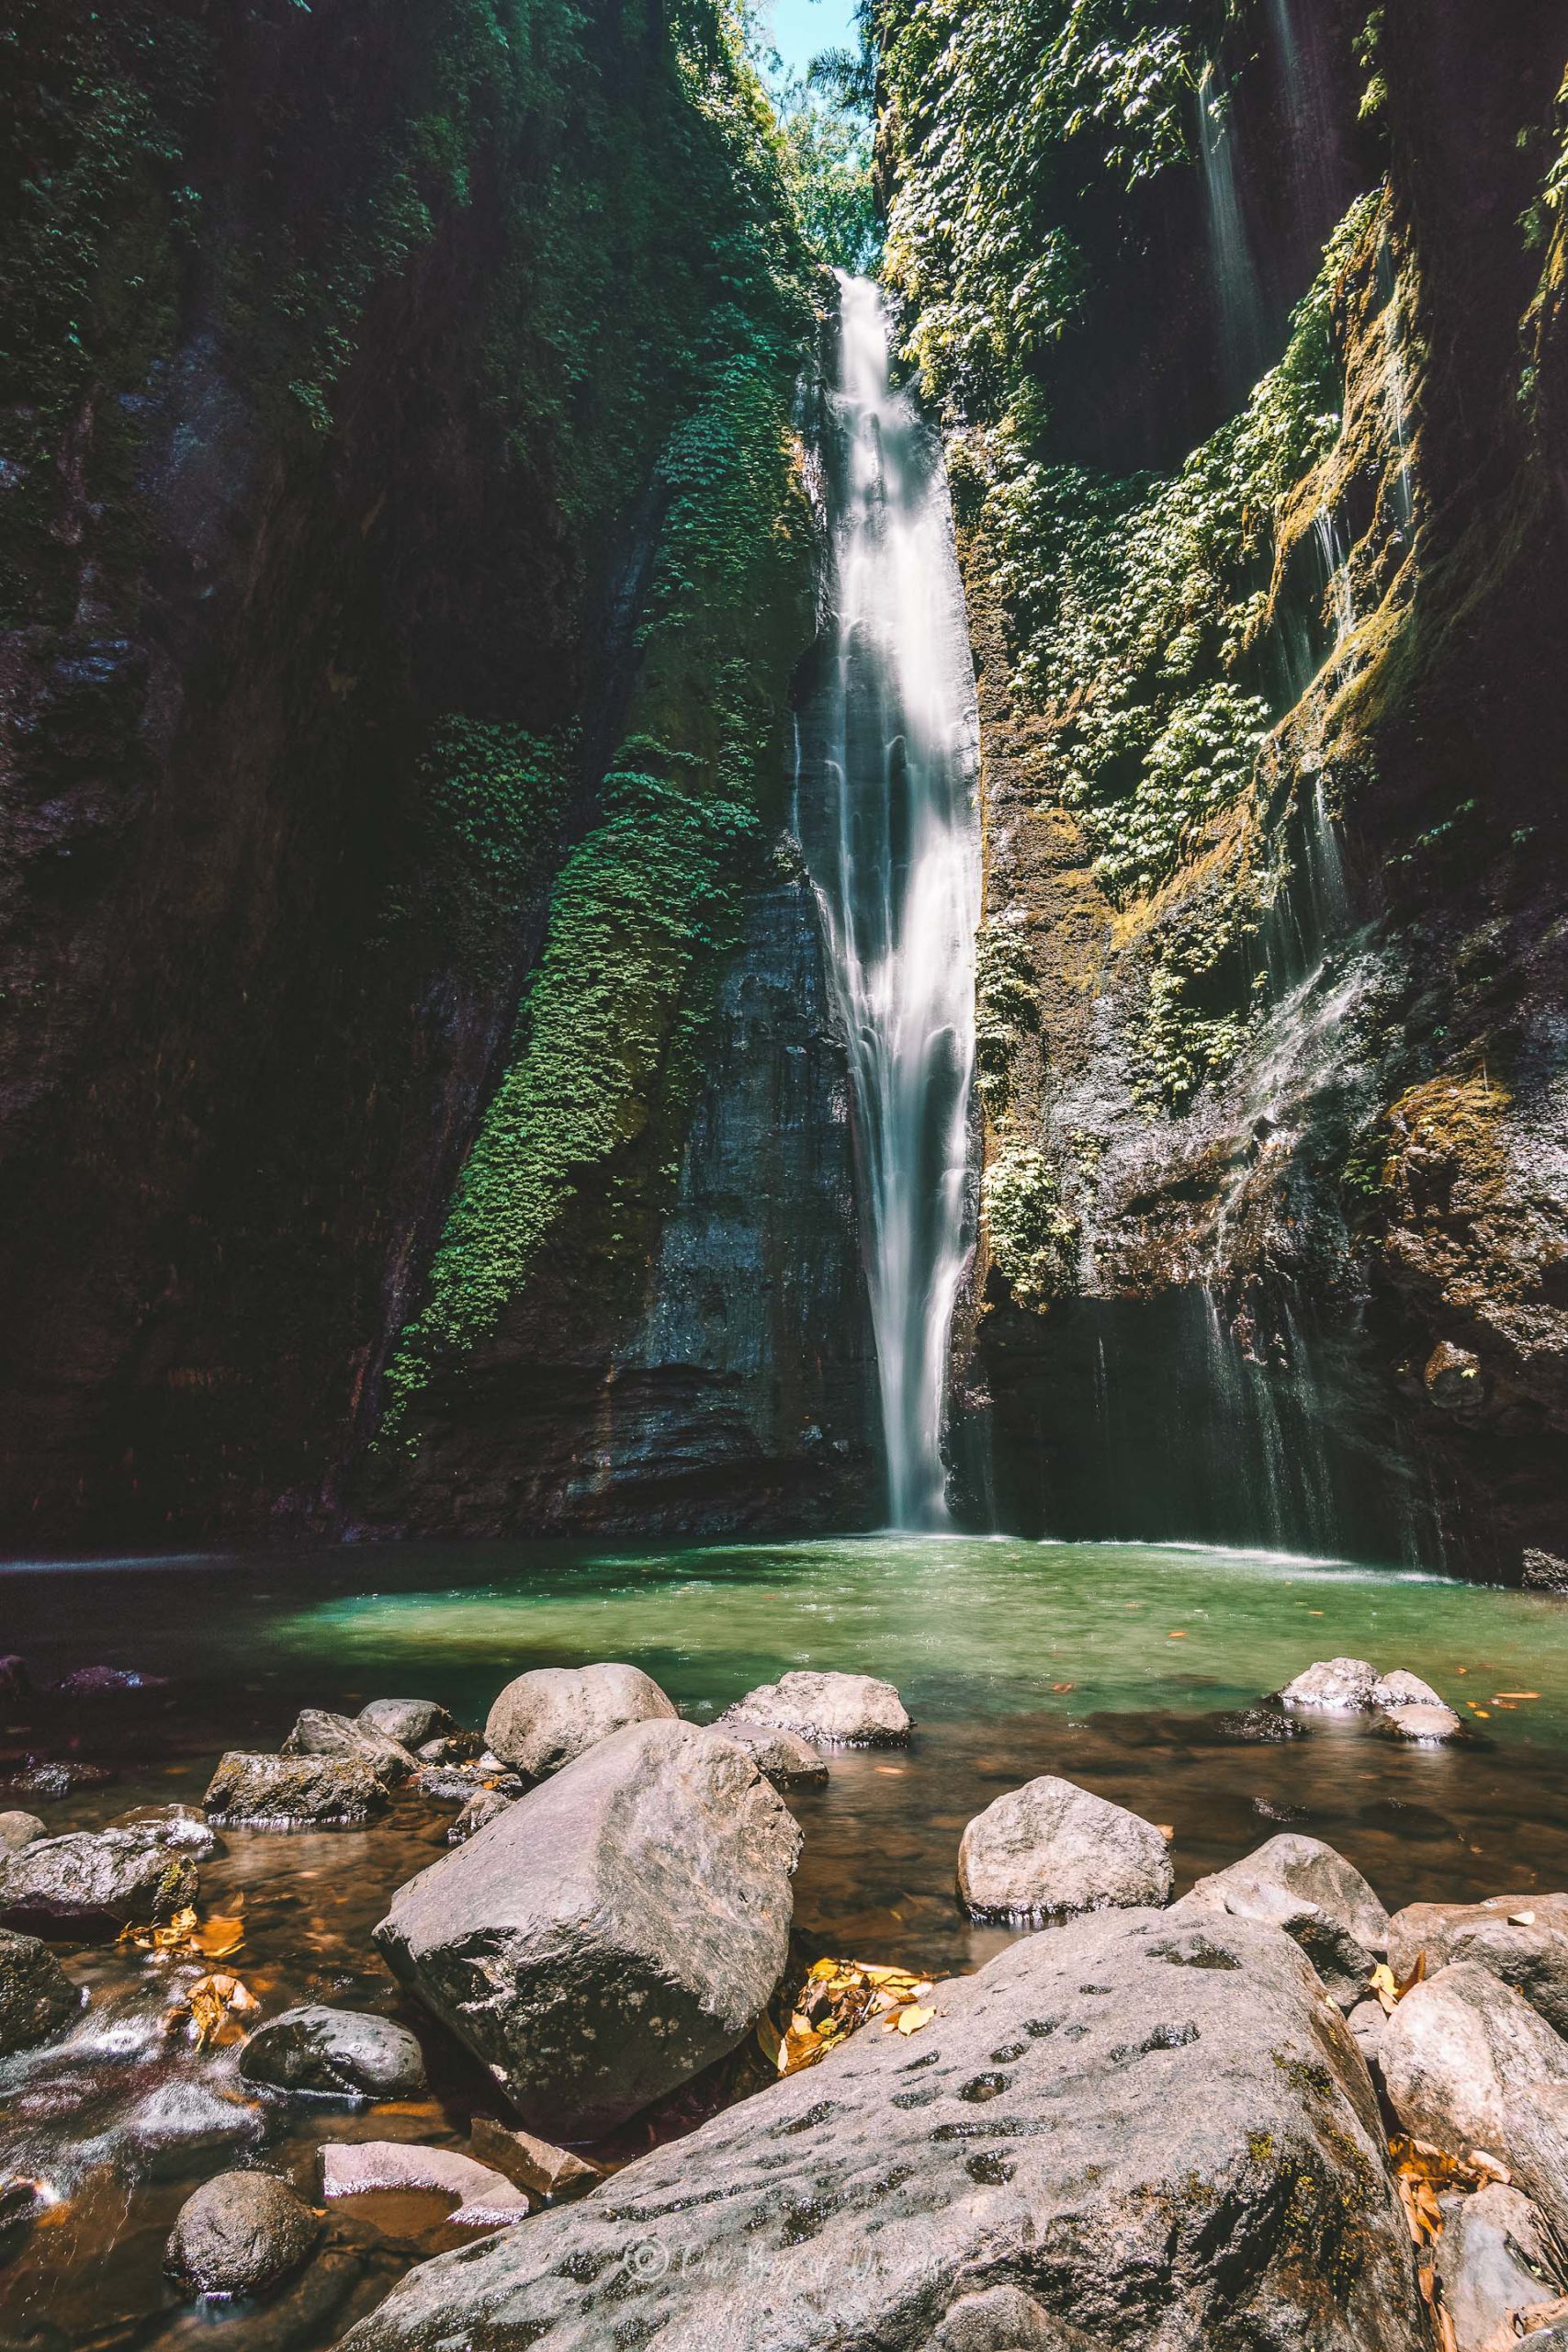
[{"x": 1113, "y": 1665}]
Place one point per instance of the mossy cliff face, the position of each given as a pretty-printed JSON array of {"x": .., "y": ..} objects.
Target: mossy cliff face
[
  {"x": 1263, "y": 542},
  {"x": 363, "y": 373}
]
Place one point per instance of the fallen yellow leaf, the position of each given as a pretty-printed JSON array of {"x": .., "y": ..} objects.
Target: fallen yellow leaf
[{"x": 910, "y": 2020}]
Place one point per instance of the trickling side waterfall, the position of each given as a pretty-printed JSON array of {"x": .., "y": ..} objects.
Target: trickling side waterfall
[
  {"x": 1243, "y": 336},
  {"x": 885, "y": 816}
]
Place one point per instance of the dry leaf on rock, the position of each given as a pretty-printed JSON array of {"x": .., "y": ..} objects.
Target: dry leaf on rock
[
  {"x": 217, "y": 2010},
  {"x": 838, "y": 1997}
]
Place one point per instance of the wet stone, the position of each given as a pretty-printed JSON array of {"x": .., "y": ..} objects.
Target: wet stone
[
  {"x": 286, "y": 1792},
  {"x": 38, "y": 1999},
  {"x": 239, "y": 2234},
  {"x": 344, "y": 2053}
]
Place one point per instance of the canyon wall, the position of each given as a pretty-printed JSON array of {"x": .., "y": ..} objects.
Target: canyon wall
[{"x": 1247, "y": 330}]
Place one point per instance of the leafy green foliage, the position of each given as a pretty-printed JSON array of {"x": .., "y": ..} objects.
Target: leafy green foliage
[
  {"x": 828, "y": 163},
  {"x": 1032, "y": 1235},
  {"x": 492, "y": 798},
  {"x": 1006, "y": 1009}
]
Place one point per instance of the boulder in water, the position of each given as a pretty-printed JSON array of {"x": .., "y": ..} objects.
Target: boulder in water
[
  {"x": 1051, "y": 1848},
  {"x": 1339, "y": 1686},
  {"x": 240, "y": 2232},
  {"x": 1522, "y": 1938},
  {"x": 1468, "y": 2064},
  {"x": 1316, "y": 1896},
  {"x": 1110, "y": 2119},
  {"x": 829, "y": 1709},
  {"x": 409, "y": 1721},
  {"x": 294, "y": 1792},
  {"x": 1426, "y": 1726},
  {"x": 49, "y": 1776},
  {"x": 107, "y": 1682},
  {"x": 1543, "y": 1572},
  {"x": 19, "y": 1829},
  {"x": 92, "y": 1883},
  {"x": 546, "y": 1719},
  {"x": 532, "y": 2164},
  {"x": 1262, "y": 1726},
  {"x": 782, "y": 1757},
  {"x": 341, "y": 2054},
  {"x": 1402, "y": 1689},
  {"x": 183, "y": 1826},
  {"x": 321, "y": 1733},
  {"x": 37, "y": 1999},
  {"x": 612, "y": 1933},
  {"x": 485, "y": 2198}
]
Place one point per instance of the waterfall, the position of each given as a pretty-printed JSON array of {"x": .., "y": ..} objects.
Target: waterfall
[
  {"x": 1242, "y": 335},
  {"x": 885, "y": 816}
]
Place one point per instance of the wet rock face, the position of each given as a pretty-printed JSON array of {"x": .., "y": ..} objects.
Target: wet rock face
[
  {"x": 37, "y": 1999},
  {"x": 321, "y": 1733},
  {"x": 278, "y": 1791},
  {"x": 335, "y": 2053},
  {"x": 1020, "y": 2145},
  {"x": 835, "y": 1710},
  {"x": 94, "y": 1884},
  {"x": 545, "y": 1719},
  {"x": 612, "y": 1932},
  {"x": 1051, "y": 1848},
  {"x": 239, "y": 2234},
  {"x": 1522, "y": 1938},
  {"x": 782, "y": 1757}
]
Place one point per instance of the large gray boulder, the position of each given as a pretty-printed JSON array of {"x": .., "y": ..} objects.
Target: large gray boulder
[
  {"x": 829, "y": 1709},
  {"x": 1161, "y": 2136},
  {"x": 546, "y": 1719},
  {"x": 1466, "y": 2064},
  {"x": 1523, "y": 1939},
  {"x": 1493, "y": 2258},
  {"x": 341, "y": 2053},
  {"x": 612, "y": 1933},
  {"x": 240, "y": 2232},
  {"x": 37, "y": 1997},
  {"x": 19, "y": 1829},
  {"x": 1314, "y": 1894},
  {"x": 1050, "y": 1848},
  {"x": 294, "y": 1792},
  {"x": 319, "y": 1732},
  {"x": 92, "y": 1883},
  {"x": 179, "y": 1825},
  {"x": 1339, "y": 1686}
]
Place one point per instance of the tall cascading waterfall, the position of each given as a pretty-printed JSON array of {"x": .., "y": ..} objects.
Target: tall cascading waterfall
[{"x": 886, "y": 819}]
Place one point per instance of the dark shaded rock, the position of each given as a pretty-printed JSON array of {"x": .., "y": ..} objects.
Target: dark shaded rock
[
  {"x": 1339, "y": 1686},
  {"x": 544, "y": 1720},
  {"x": 1545, "y": 1572},
  {"x": 1050, "y": 1848},
  {"x": 1314, "y": 1894},
  {"x": 612, "y": 1932},
  {"x": 15, "y": 1680},
  {"x": 782, "y": 1757},
  {"x": 321, "y": 1733},
  {"x": 37, "y": 1997},
  {"x": 829, "y": 1709},
  {"x": 1468, "y": 2064},
  {"x": 409, "y": 1721},
  {"x": 239, "y": 2234},
  {"x": 532, "y": 2164},
  {"x": 460, "y": 1747},
  {"x": 1259, "y": 1726},
  {"x": 1122, "y": 2159},
  {"x": 1522, "y": 1938},
  {"x": 54, "y": 1777},
  {"x": 183, "y": 1826},
  {"x": 1367, "y": 2021},
  {"x": 281, "y": 1791},
  {"x": 480, "y": 1806},
  {"x": 107, "y": 1682},
  {"x": 337, "y": 2053},
  {"x": 1495, "y": 2257},
  {"x": 19, "y": 1829},
  {"x": 1452, "y": 1378},
  {"x": 92, "y": 1883}
]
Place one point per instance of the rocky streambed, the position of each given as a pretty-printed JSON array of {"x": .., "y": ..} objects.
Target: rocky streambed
[{"x": 411, "y": 2034}]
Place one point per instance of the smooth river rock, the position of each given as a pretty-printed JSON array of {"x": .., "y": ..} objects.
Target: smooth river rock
[
  {"x": 344, "y": 2053},
  {"x": 1493, "y": 2258},
  {"x": 294, "y": 1792},
  {"x": 37, "y": 1997},
  {"x": 485, "y": 2198},
  {"x": 1428, "y": 1727},
  {"x": 1402, "y": 1689},
  {"x": 532, "y": 2164},
  {"x": 1316, "y": 1896},
  {"x": 1339, "y": 1686},
  {"x": 782, "y": 1757},
  {"x": 93, "y": 1882},
  {"x": 319, "y": 1732},
  {"x": 240, "y": 2232},
  {"x": 1523, "y": 1939},
  {"x": 19, "y": 1829},
  {"x": 409, "y": 1721},
  {"x": 1111, "y": 2123},
  {"x": 1466, "y": 2064},
  {"x": 612, "y": 1932},
  {"x": 479, "y": 1807},
  {"x": 1050, "y": 1848},
  {"x": 829, "y": 1709},
  {"x": 183, "y": 1826},
  {"x": 546, "y": 1719}
]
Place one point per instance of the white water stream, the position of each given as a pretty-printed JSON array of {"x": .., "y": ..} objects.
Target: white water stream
[{"x": 886, "y": 814}]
